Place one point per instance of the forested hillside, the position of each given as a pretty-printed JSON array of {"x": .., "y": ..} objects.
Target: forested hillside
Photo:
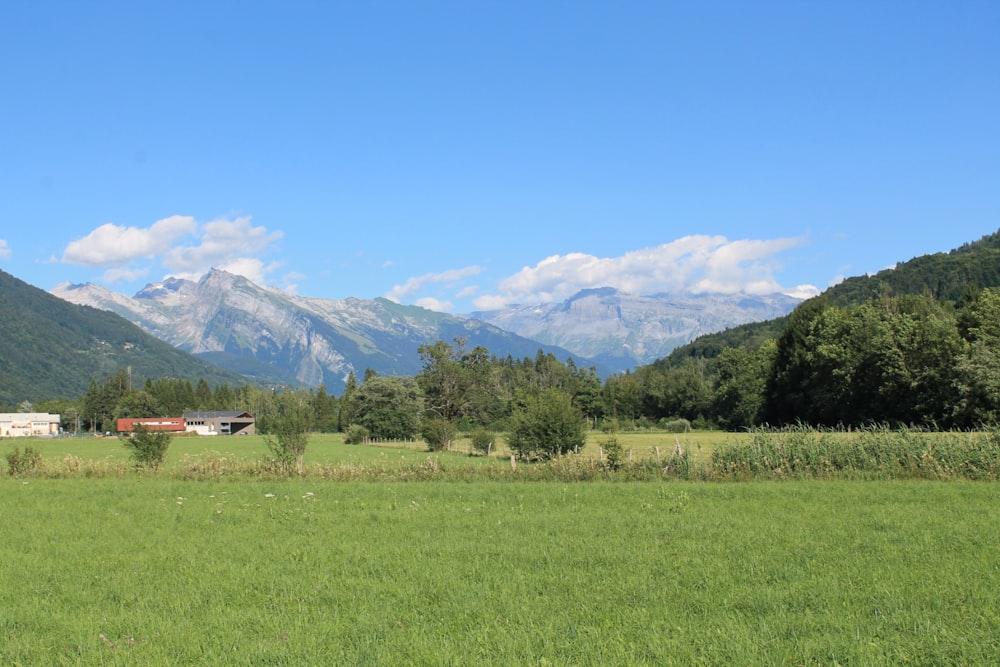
[
  {"x": 50, "y": 348},
  {"x": 916, "y": 345},
  {"x": 945, "y": 276}
]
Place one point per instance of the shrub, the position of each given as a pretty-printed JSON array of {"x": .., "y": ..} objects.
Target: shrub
[
  {"x": 356, "y": 434},
  {"x": 438, "y": 434},
  {"x": 613, "y": 453},
  {"x": 287, "y": 439},
  {"x": 675, "y": 425},
  {"x": 19, "y": 462},
  {"x": 610, "y": 425},
  {"x": 482, "y": 440},
  {"x": 149, "y": 448},
  {"x": 547, "y": 426}
]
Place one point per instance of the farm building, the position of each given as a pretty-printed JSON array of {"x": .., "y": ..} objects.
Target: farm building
[
  {"x": 127, "y": 424},
  {"x": 18, "y": 424},
  {"x": 220, "y": 422}
]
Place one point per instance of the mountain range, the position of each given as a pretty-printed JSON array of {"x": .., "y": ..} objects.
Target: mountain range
[
  {"x": 271, "y": 335},
  {"x": 621, "y": 331}
]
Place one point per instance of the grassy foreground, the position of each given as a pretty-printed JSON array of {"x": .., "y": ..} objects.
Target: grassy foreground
[{"x": 156, "y": 570}]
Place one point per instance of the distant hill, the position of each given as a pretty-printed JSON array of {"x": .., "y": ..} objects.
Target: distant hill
[
  {"x": 251, "y": 329},
  {"x": 944, "y": 275},
  {"x": 623, "y": 330},
  {"x": 53, "y": 349}
]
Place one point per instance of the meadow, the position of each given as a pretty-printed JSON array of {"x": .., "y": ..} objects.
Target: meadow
[
  {"x": 104, "y": 456},
  {"x": 155, "y": 568}
]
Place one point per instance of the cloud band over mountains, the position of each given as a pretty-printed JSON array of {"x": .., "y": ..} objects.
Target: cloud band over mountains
[
  {"x": 185, "y": 248},
  {"x": 696, "y": 264}
]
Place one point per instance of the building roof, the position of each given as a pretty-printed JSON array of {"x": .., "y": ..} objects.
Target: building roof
[
  {"x": 216, "y": 414},
  {"x": 28, "y": 416}
]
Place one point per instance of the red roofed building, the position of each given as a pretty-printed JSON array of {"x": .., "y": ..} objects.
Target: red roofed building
[{"x": 127, "y": 424}]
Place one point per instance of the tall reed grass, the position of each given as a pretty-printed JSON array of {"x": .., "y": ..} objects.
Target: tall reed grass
[
  {"x": 870, "y": 453},
  {"x": 213, "y": 465}
]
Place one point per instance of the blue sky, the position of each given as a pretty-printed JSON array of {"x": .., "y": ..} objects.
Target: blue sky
[{"x": 464, "y": 155}]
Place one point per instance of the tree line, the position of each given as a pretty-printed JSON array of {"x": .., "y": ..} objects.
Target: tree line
[{"x": 906, "y": 360}]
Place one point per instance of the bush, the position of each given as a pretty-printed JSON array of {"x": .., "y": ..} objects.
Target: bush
[
  {"x": 149, "y": 448},
  {"x": 482, "y": 440},
  {"x": 19, "y": 462},
  {"x": 610, "y": 425},
  {"x": 675, "y": 425},
  {"x": 546, "y": 426},
  {"x": 438, "y": 434},
  {"x": 287, "y": 439},
  {"x": 356, "y": 434},
  {"x": 613, "y": 453}
]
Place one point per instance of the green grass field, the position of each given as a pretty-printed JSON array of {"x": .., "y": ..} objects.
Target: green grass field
[
  {"x": 119, "y": 567},
  {"x": 154, "y": 570}
]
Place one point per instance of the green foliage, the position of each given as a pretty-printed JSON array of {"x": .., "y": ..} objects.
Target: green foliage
[
  {"x": 325, "y": 411},
  {"x": 482, "y": 440},
  {"x": 356, "y": 435},
  {"x": 22, "y": 462},
  {"x": 174, "y": 395},
  {"x": 288, "y": 433},
  {"x": 870, "y": 453},
  {"x": 348, "y": 407},
  {"x": 675, "y": 425},
  {"x": 389, "y": 407},
  {"x": 614, "y": 455},
  {"x": 546, "y": 425},
  {"x": 738, "y": 402},
  {"x": 438, "y": 434},
  {"x": 138, "y": 404},
  {"x": 287, "y": 442},
  {"x": 149, "y": 448}
]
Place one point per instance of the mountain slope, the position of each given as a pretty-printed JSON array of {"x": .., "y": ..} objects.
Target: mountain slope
[
  {"x": 50, "y": 348},
  {"x": 945, "y": 275},
  {"x": 625, "y": 330},
  {"x": 241, "y": 326}
]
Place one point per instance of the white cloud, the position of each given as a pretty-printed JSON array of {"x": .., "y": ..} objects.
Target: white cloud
[
  {"x": 116, "y": 245},
  {"x": 430, "y": 303},
  {"x": 231, "y": 245},
  {"x": 4, "y": 249},
  {"x": 696, "y": 264},
  {"x": 125, "y": 274},
  {"x": 414, "y": 285},
  {"x": 491, "y": 302},
  {"x": 290, "y": 281},
  {"x": 803, "y": 291},
  {"x": 221, "y": 242}
]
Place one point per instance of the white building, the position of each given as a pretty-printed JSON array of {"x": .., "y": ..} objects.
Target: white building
[
  {"x": 220, "y": 422},
  {"x": 19, "y": 424}
]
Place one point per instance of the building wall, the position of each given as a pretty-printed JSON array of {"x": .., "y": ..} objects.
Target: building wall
[
  {"x": 220, "y": 423},
  {"x": 23, "y": 424},
  {"x": 221, "y": 426}
]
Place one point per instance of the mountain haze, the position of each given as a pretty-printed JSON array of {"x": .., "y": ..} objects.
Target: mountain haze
[
  {"x": 53, "y": 349},
  {"x": 623, "y": 330},
  {"x": 241, "y": 326}
]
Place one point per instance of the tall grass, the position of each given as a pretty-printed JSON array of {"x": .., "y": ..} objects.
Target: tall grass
[
  {"x": 870, "y": 453},
  {"x": 792, "y": 453}
]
